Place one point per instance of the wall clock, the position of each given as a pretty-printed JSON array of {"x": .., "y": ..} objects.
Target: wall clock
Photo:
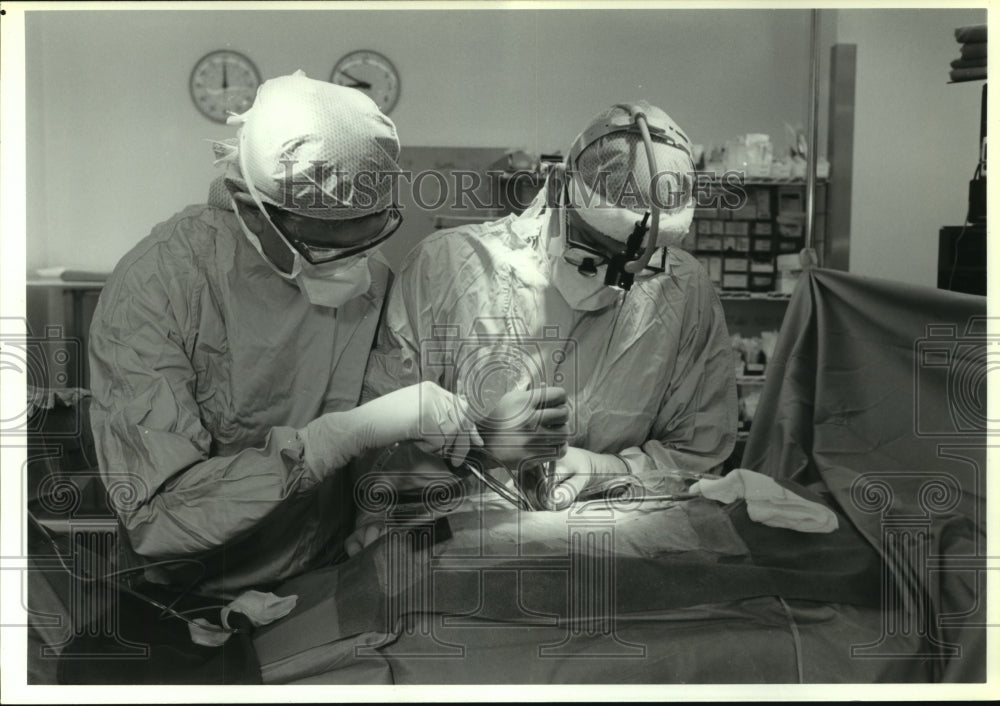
[
  {"x": 224, "y": 82},
  {"x": 372, "y": 73}
]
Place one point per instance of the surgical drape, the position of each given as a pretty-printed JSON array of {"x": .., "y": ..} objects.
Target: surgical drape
[{"x": 876, "y": 393}]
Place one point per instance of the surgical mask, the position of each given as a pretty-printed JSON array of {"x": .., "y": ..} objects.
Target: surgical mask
[
  {"x": 331, "y": 284},
  {"x": 581, "y": 292},
  {"x": 334, "y": 283}
]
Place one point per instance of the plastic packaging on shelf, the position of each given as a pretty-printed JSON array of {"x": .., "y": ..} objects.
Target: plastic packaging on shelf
[
  {"x": 768, "y": 340},
  {"x": 753, "y": 352},
  {"x": 748, "y": 407}
]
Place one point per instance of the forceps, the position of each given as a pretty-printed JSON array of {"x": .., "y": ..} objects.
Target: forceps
[
  {"x": 515, "y": 498},
  {"x": 516, "y": 495}
]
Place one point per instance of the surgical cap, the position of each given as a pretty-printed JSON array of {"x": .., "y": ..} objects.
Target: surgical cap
[
  {"x": 314, "y": 148},
  {"x": 613, "y": 171}
]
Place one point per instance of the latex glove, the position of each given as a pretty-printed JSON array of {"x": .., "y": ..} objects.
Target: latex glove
[
  {"x": 208, "y": 634},
  {"x": 362, "y": 537},
  {"x": 574, "y": 473},
  {"x": 426, "y": 413},
  {"x": 527, "y": 424},
  {"x": 260, "y": 608}
]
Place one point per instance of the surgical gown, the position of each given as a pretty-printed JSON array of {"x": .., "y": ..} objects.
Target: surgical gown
[
  {"x": 204, "y": 363},
  {"x": 650, "y": 377}
]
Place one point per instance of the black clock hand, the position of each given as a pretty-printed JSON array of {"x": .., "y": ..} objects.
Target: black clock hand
[
  {"x": 225, "y": 82},
  {"x": 357, "y": 83}
]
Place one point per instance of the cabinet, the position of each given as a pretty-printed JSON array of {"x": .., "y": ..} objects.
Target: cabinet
[
  {"x": 962, "y": 259},
  {"x": 741, "y": 230},
  {"x": 58, "y": 315},
  {"x": 748, "y": 316}
]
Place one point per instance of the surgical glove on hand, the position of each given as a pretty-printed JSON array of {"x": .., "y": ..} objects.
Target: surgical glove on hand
[
  {"x": 574, "y": 473},
  {"x": 261, "y": 608},
  {"x": 426, "y": 413},
  {"x": 527, "y": 424}
]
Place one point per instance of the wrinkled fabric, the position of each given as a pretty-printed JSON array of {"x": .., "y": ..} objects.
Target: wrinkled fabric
[
  {"x": 46, "y": 398},
  {"x": 651, "y": 379},
  {"x": 204, "y": 363},
  {"x": 876, "y": 394},
  {"x": 356, "y": 605},
  {"x": 558, "y": 575},
  {"x": 767, "y": 502},
  {"x": 752, "y": 641}
]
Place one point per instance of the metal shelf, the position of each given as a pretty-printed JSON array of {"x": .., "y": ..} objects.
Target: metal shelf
[
  {"x": 769, "y": 181},
  {"x": 738, "y": 294},
  {"x": 54, "y": 283}
]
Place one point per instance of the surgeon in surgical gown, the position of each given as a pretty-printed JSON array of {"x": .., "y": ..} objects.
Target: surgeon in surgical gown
[
  {"x": 229, "y": 347},
  {"x": 647, "y": 373}
]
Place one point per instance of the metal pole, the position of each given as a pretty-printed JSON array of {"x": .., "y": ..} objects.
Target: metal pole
[{"x": 808, "y": 255}]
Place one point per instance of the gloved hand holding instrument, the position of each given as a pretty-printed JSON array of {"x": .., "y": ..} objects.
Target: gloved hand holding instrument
[
  {"x": 426, "y": 413},
  {"x": 526, "y": 424},
  {"x": 575, "y": 473},
  {"x": 522, "y": 429}
]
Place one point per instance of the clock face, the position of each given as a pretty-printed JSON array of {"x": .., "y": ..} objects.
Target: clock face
[
  {"x": 224, "y": 82},
  {"x": 369, "y": 72}
]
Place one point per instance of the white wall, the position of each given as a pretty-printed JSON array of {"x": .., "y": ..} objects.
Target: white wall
[
  {"x": 115, "y": 145},
  {"x": 915, "y": 138}
]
